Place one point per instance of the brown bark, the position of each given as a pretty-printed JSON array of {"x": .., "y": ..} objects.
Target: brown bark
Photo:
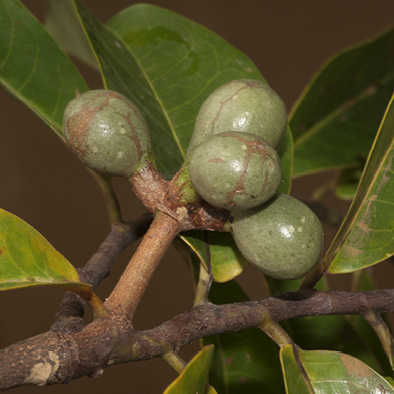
[
  {"x": 52, "y": 358},
  {"x": 136, "y": 277},
  {"x": 69, "y": 317}
]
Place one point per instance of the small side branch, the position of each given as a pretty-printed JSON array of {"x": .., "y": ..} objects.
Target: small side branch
[
  {"x": 203, "y": 286},
  {"x": 383, "y": 333},
  {"x": 69, "y": 316}
]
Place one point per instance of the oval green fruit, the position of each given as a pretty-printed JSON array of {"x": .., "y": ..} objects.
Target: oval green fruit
[
  {"x": 106, "y": 131},
  {"x": 243, "y": 105},
  {"x": 235, "y": 171},
  {"x": 283, "y": 238}
]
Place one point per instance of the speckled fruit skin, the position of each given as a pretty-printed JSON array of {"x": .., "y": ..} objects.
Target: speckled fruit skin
[
  {"x": 106, "y": 131},
  {"x": 243, "y": 105},
  {"x": 235, "y": 170},
  {"x": 283, "y": 238}
]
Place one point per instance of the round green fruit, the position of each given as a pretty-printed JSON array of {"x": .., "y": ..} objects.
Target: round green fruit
[
  {"x": 283, "y": 238},
  {"x": 235, "y": 171},
  {"x": 106, "y": 131},
  {"x": 243, "y": 105}
]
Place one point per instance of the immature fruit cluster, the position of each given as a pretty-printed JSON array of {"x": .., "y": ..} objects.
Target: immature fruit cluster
[
  {"x": 106, "y": 131},
  {"x": 233, "y": 165}
]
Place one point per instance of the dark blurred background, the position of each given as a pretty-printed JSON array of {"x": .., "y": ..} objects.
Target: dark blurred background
[{"x": 45, "y": 184}]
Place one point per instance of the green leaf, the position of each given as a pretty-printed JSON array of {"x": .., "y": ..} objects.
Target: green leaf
[
  {"x": 366, "y": 236},
  {"x": 245, "y": 361},
  {"x": 28, "y": 259},
  {"x": 328, "y": 372},
  {"x": 167, "y": 65},
  {"x": 194, "y": 378},
  {"x": 33, "y": 68},
  {"x": 336, "y": 118}
]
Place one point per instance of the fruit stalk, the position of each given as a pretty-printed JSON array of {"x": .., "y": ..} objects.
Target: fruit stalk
[
  {"x": 131, "y": 286},
  {"x": 111, "y": 202}
]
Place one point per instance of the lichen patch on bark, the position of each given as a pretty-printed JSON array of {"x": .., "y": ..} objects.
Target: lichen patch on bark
[{"x": 42, "y": 372}]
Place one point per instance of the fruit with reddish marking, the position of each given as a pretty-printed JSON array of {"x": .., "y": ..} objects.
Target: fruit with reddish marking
[
  {"x": 283, "y": 238},
  {"x": 235, "y": 170},
  {"x": 244, "y": 105},
  {"x": 107, "y": 132}
]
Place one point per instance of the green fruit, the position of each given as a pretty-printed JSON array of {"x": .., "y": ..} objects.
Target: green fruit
[
  {"x": 283, "y": 238},
  {"x": 235, "y": 171},
  {"x": 106, "y": 131},
  {"x": 243, "y": 105}
]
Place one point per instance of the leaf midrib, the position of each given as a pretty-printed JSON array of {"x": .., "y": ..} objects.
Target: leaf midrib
[{"x": 342, "y": 108}]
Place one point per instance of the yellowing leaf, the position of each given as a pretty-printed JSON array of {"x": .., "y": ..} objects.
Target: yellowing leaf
[
  {"x": 28, "y": 259},
  {"x": 218, "y": 250},
  {"x": 194, "y": 378}
]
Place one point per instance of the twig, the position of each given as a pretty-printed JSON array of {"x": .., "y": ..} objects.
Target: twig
[
  {"x": 275, "y": 331},
  {"x": 111, "y": 202},
  {"x": 383, "y": 333},
  {"x": 173, "y": 360},
  {"x": 204, "y": 284},
  {"x": 112, "y": 340}
]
